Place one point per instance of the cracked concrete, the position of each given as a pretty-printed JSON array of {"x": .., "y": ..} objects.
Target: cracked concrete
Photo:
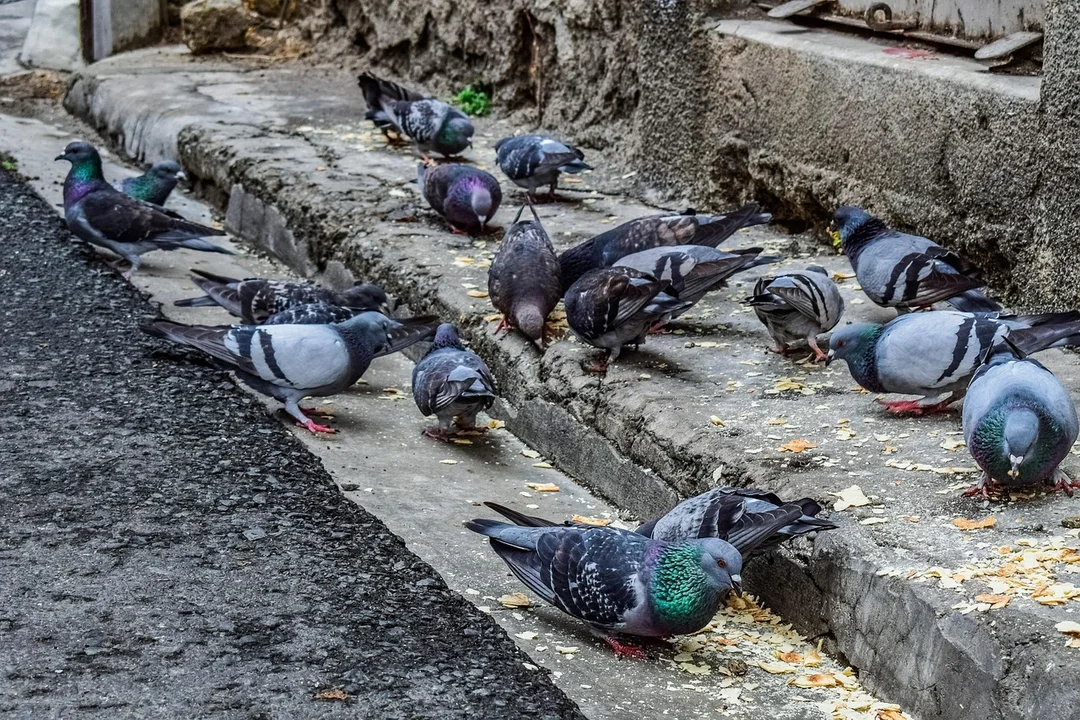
[{"x": 643, "y": 435}]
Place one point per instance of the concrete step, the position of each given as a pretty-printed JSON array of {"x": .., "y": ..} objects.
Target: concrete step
[{"x": 895, "y": 591}]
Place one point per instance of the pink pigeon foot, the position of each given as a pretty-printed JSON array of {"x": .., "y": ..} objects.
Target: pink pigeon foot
[{"x": 624, "y": 650}]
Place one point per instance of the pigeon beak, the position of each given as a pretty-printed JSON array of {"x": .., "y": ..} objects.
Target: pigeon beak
[
  {"x": 181, "y": 176},
  {"x": 61, "y": 156},
  {"x": 829, "y": 357},
  {"x": 1015, "y": 461},
  {"x": 736, "y": 585}
]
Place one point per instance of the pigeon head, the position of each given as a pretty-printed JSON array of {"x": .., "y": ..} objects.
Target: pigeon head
[
  {"x": 167, "y": 171},
  {"x": 1021, "y": 434},
  {"x": 469, "y": 204},
  {"x": 690, "y": 579},
  {"x": 365, "y": 296},
  {"x": 722, "y": 564},
  {"x": 529, "y": 319},
  {"x": 446, "y": 336},
  {"x": 854, "y": 344},
  {"x": 79, "y": 153},
  {"x": 846, "y": 221},
  {"x": 85, "y": 171},
  {"x": 371, "y": 328},
  {"x": 455, "y": 135}
]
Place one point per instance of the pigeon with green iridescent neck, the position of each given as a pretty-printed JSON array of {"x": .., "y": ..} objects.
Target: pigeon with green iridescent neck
[
  {"x": 468, "y": 198},
  {"x": 607, "y": 248},
  {"x": 291, "y": 362},
  {"x": 1019, "y": 424},
  {"x": 523, "y": 280},
  {"x": 452, "y": 383},
  {"x": 797, "y": 307},
  {"x": 153, "y": 186},
  {"x": 619, "y": 582},
  {"x": 255, "y": 300},
  {"x": 935, "y": 353},
  {"x": 906, "y": 271},
  {"x": 730, "y": 513},
  {"x": 432, "y": 124},
  {"x": 103, "y": 216}
]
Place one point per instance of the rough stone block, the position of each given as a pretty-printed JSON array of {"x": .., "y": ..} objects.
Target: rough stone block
[{"x": 212, "y": 25}]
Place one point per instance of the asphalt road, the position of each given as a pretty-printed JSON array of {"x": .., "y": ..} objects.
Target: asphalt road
[{"x": 168, "y": 550}]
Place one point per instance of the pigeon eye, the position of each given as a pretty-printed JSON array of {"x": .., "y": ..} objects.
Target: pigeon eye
[{"x": 721, "y": 563}]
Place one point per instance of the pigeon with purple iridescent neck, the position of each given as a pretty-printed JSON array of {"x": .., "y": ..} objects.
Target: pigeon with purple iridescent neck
[
  {"x": 153, "y": 186},
  {"x": 468, "y": 198},
  {"x": 523, "y": 281},
  {"x": 103, "y": 216}
]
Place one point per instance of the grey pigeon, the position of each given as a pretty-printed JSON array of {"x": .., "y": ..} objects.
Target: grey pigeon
[
  {"x": 155, "y": 185},
  {"x": 728, "y": 513},
  {"x": 797, "y": 307},
  {"x": 611, "y": 307},
  {"x": 619, "y": 582},
  {"x": 291, "y": 362},
  {"x": 433, "y": 125},
  {"x": 523, "y": 280},
  {"x": 318, "y": 313},
  {"x": 535, "y": 161},
  {"x": 693, "y": 270},
  {"x": 255, "y": 299},
  {"x": 605, "y": 249},
  {"x": 1019, "y": 423},
  {"x": 906, "y": 271},
  {"x": 468, "y": 198},
  {"x": 103, "y": 216},
  {"x": 451, "y": 383},
  {"x": 931, "y": 353}
]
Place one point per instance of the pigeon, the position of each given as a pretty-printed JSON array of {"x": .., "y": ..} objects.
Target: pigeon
[
  {"x": 468, "y": 198},
  {"x": 451, "y": 382},
  {"x": 1019, "y": 423},
  {"x": 605, "y": 249},
  {"x": 797, "y": 307},
  {"x": 611, "y": 307},
  {"x": 317, "y": 313},
  {"x": 523, "y": 280},
  {"x": 728, "y": 513},
  {"x": 255, "y": 299},
  {"x": 930, "y": 353},
  {"x": 535, "y": 161},
  {"x": 693, "y": 270},
  {"x": 620, "y": 582},
  {"x": 906, "y": 271},
  {"x": 153, "y": 186},
  {"x": 291, "y": 362},
  {"x": 433, "y": 125},
  {"x": 103, "y": 216}
]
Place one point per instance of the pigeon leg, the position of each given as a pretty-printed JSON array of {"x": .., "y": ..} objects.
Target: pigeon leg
[
  {"x": 135, "y": 262},
  {"x": 467, "y": 424},
  {"x": 919, "y": 407},
  {"x": 601, "y": 367},
  {"x": 1064, "y": 483},
  {"x": 458, "y": 231},
  {"x": 503, "y": 325},
  {"x": 293, "y": 408},
  {"x": 437, "y": 434},
  {"x": 986, "y": 488},
  {"x": 624, "y": 650},
  {"x": 811, "y": 340},
  {"x": 658, "y": 329},
  {"x": 554, "y": 184},
  {"x": 779, "y": 350}
]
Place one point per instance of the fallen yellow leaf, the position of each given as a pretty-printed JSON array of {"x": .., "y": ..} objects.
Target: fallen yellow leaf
[
  {"x": 587, "y": 520},
  {"x": 797, "y": 446},
  {"x": 965, "y": 524},
  {"x": 332, "y": 694},
  {"x": 516, "y": 599},
  {"x": 543, "y": 487},
  {"x": 476, "y": 293},
  {"x": 818, "y": 680}
]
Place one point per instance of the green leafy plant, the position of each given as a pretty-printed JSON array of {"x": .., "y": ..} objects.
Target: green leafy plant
[
  {"x": 473, "y": 101},
  {"x": 9, "y": 163}
]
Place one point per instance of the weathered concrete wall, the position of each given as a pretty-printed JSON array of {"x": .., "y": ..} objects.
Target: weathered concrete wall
[{"x": 570, "y": 64}]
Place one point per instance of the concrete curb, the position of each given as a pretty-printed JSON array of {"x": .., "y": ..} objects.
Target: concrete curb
[{"x": 634, "y": 448}]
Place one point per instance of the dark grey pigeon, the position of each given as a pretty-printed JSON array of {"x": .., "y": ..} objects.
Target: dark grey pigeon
[
  {"x": 155, "y": 185},
  {"x": 797, "y": 307},
  {"x": 433, "y": 125},
  {"x": 291, "y": 362},
  {"x": 319, "y": 313},
  {"x": 611, "y": 307},
  {"x": 906, "y": 271},
  {"x": 931, "y": 353},
  {"x": 728, "y": 513},
  {"x": 468, "y": 198},
  {"x": 452, "y": 383},
  {"x": 103, "y": 216},
  {"x": 535, "y": 161},
  {"x": 523, "y": 280},
  {"x": 255, "y": 299},
  {"x": 693, "y": 270},
  {"x": 609, "y": 247},
  {"x": 1019, "y": 424},
  {"x": 619, "y": 582}
]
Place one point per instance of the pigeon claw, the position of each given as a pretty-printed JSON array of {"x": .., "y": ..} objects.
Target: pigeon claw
[
  {"x": 625, "y": 650},
  {"x": 914, "y": 407},
  {"x": 315, "y": 427},
  {"x": 1066, "y": 484},
  {"x": 438, "y": 434}
]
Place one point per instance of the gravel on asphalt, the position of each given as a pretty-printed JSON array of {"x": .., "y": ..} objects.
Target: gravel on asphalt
[{"x": 169, "y": 550}]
